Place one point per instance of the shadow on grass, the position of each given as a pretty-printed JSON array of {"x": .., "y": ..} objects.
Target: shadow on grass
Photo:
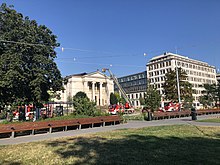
[
  {"x": 140, "y": 149},
  {"x": 9, "y": 163}
]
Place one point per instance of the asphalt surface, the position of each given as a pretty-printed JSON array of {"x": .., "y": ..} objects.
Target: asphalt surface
[{"x": 130, "y": 124}]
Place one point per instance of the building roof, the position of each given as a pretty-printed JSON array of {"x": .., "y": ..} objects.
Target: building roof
[
  {"x": 85, "y": 74},
  {"x": 168, "y": 54}
]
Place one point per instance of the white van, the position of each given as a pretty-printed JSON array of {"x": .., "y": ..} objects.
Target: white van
[{"x": 197, "y": 105}]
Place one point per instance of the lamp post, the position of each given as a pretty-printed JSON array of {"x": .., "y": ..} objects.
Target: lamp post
[{"x": 178, "y": 83}]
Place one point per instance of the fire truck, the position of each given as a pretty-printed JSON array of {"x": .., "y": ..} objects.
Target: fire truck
[
  {"x": 115, "y": 109},
  {"x": 171, "y": 106}
]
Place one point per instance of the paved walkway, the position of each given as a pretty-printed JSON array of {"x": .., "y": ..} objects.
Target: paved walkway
[{"x": 130, "y": 124}]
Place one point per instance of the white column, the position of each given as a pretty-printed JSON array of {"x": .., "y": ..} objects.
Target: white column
[
  {"x": 85, "y": 86},
  {"x": 107, "y": 93},
  {"x": 100, "y": 95},
  {"x": 93, "y": 91}
]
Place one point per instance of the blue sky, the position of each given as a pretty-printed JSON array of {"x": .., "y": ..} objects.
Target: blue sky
[{"x": 116, "y": 33}]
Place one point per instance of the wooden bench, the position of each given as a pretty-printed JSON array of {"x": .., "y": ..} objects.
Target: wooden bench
[
  {"x": 168, "y": 115},
  {"x": 208, "y": 111},
  {"x": 184, "y": 113},
  {"x": 49, "y": 125}
]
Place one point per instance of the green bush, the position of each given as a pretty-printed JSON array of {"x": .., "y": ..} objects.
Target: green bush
[
  {"x": 83, "y": 106},
  {"x": 3, "y": 115}
]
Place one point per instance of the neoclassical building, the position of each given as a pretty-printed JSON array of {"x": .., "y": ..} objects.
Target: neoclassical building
[{"x": 96, "y": 85}]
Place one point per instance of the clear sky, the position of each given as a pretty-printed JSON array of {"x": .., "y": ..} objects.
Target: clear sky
[{"x": 116, "y": 33}]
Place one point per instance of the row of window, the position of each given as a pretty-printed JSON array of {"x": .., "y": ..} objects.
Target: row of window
[
  {"x": 205, "y": 81},
  {"x": 200, "y": 74},
  {"x": 160, "y": 65},
  {"x": 196, "y": 67},
  {"x": 157, "y": 79},
  {"x": 133, "y": 77},
  {"x": 189, "y": 72},
  {"x": 135, "y": 96},
  {"x": 197, "y": 92},
  {"x": 162, "y": 78},
  {"x": 159, "y": 72},
  {"x": 135, "y": 89},
  {"x": 132, "y": 83},
  {"x": 183, "y": 65}
]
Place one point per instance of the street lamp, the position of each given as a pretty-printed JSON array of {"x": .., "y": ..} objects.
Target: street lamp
[{"x": 178, "y": 83}]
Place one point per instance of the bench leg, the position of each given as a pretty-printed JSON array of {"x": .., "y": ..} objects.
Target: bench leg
[
  {"x": 65, "y": 128},
  {"x": 103, "y": 124},
  {"x": 114, "y": 122},
  {"x": 32, "y": 132},
  {"x": 12, "y": 134},
  {"x": 50, "y": 130},
  {"x": 80, "y": 126},
  {"x": 92, "y": 125}
]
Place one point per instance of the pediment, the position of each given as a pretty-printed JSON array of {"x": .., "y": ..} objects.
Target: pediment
[{"x": 96, "y": 74}]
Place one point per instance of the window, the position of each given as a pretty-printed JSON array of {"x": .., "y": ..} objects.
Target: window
[{"x": 140, "y": 95}]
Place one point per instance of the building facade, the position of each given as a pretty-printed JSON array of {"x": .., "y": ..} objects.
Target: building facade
[
  {"x": 96, "y": 85},
  {"x": 218, "y": 77},
  {"x": 198, "y": 72},
  {"x": 135, "y": 86}
]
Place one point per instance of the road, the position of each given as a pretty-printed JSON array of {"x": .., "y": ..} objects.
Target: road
[{"x": 130, "y": 124}]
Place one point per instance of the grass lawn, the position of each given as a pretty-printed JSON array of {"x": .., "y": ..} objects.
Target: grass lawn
[
  {"x": 214, "y": 120},
  {"x": 182, "y": 144}
]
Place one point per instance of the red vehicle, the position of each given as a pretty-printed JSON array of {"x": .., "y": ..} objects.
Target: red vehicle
[
  {"x": 171, "y": 106},
  {"x": 116, "y": 108}
]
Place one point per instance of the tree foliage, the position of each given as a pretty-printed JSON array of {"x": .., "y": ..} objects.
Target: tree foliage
[
  {"x": 27, "y": 67},
  {"x": 81, "y": 94},
  {"x": 119, "y": 98},
  {"x": 170, "y": 86},
  {"x": 152, "y": 99},
  {"x": 218, "y": 91},
  {"x": 210, "y": 94},
  {"x": 83, "y": 106},
  {"x": 113, "y": 99}
]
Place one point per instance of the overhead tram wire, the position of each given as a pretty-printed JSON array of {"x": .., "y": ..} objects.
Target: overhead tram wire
[
  {"x": 92, "y": 51},
  {"x": 118, "y": 65},
  {"x": 24, "y": 43},
  {"x": 73, "y": 49}
]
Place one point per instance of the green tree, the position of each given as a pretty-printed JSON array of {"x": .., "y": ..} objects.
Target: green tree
[
  {"x": 119, "y": 98},
  {"x": 210, "y": 94},
  {"x": 81, "y": 95},
  {"x": 218, "y": 92},
  {"x": 27, "y": 67},
  {"x": 170, "y": 87},
  {"x": 113, "y": 99},
  {"x": 83, "y": 106},
  {"x": 142, "y": 100},
  {"x": 152, "y": 99}
]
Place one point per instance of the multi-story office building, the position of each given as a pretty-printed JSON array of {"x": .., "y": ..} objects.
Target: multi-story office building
[
  {"x": 135, "y": 86},
  {"x": 218, "y": 77},
  {"x": 198, "y": 72},
  {"x": 96, "y": 85}
]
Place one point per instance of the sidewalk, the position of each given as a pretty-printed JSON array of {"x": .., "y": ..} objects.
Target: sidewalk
[{"x": 130, "y": 124}]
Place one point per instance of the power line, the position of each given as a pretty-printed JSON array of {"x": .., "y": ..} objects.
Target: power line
[
  {"x": 111, "y": 65},
  {"x": 23, "y": 43}
]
